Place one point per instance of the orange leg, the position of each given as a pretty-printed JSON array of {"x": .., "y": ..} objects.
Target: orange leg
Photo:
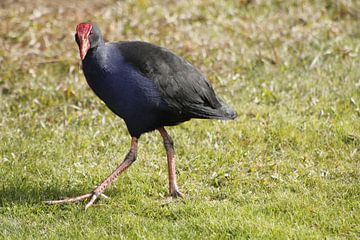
[
  {"x": 169, "y": 146},
  {"x": 129, "y": 159}
]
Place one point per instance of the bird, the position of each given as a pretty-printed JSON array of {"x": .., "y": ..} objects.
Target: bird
[{"x": 150, "y": 88}]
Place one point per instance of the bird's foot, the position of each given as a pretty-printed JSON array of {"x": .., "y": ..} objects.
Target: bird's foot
[
  {"x": 93, "y": 196},
  {"x": 176, "y": 194}
]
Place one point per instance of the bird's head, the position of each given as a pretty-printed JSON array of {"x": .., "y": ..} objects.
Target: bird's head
[{"x": 87, "y": 36}]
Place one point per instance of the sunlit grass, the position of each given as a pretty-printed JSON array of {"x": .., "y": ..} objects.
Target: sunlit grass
[{"x": 287, "y": 167}]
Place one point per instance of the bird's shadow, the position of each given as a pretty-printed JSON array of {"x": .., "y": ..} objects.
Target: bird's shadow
[{"x": 33, "y": 195}]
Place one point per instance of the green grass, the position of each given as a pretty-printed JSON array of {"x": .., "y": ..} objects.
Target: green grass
[{"x": 287, "y": 167}]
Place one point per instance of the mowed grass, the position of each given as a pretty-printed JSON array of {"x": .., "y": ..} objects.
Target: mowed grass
[{"x": 287, "y": 167}]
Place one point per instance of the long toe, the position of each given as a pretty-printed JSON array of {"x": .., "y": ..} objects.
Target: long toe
[
  {"x": 69, "y": 200},
  {"x": 92, "y": 200}
]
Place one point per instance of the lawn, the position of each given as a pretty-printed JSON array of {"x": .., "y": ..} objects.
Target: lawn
[{"x": 287, "y": 168}]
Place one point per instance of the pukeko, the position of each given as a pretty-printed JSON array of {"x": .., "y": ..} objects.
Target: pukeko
[{"x": 149, "y": 87}]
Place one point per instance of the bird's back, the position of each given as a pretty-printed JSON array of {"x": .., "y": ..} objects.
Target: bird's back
[{"x": 181, "y": 85}]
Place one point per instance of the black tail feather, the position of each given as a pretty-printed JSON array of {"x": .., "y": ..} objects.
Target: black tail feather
[{"x": 224, "y": 112}]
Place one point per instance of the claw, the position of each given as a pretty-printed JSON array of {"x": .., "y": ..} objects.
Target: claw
[
  {"x": 92, "y": 200},
  {"x": 176, "y": 194}
]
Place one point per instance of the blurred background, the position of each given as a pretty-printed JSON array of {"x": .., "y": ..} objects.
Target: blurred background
[{"x": 222, "y": 38}]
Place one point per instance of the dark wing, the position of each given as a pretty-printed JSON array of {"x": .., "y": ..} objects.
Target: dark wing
[{"x": 181, "y": 85}]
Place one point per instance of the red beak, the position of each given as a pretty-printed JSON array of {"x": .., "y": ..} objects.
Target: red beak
[
  {"x": 83, "y": 30},
  {"x": 84, "y": 47}
]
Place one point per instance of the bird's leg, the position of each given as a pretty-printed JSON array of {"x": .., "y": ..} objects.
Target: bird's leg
[
  {"x": 170, "y": 153},
  {"x": 129, "y": 159}
]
